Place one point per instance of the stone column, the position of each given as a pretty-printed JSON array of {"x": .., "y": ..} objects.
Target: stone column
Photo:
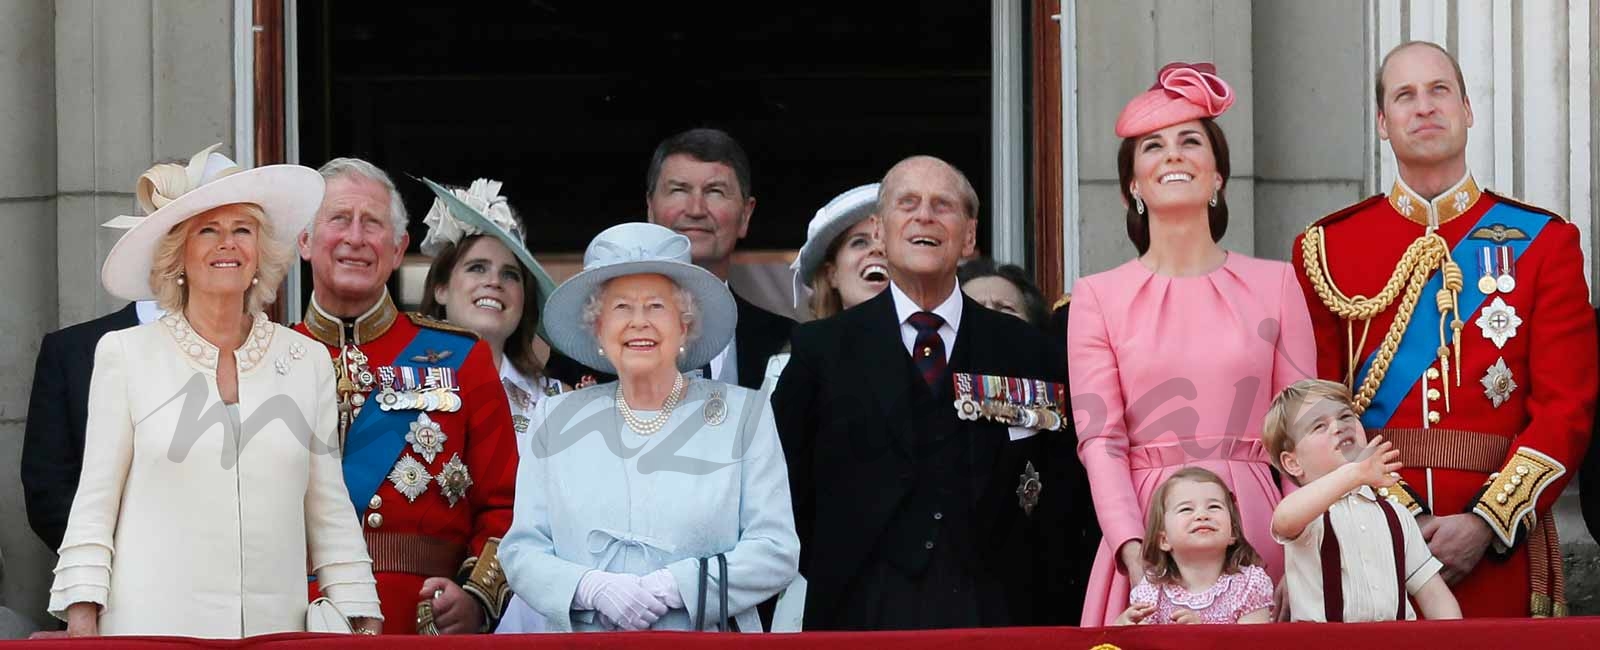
[
  {"x": 1120, "y": 47},
  {"x": 27, "y": 268},
  {"x": 1314, "y": 103}
]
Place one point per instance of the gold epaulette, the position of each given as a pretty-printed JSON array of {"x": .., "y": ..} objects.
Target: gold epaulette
[
  {"x": 1509, "y": 498},
  {"x": 486, "y": 582},
  {"x": 434, "y": 324},
  {"x": 1531, "y": 208}
]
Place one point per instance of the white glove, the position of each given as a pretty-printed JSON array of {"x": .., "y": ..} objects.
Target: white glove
[
  {"x": 619, "y": 598},
  {"x": 664, "y": 587}
]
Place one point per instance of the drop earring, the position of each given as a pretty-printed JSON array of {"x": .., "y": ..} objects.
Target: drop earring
[
  {"x": 1213, "y": 198},
  {"x": 256, "y": 281},
  {"x": 1138, "y": 204},
  {"x": 180, "y": 278}
]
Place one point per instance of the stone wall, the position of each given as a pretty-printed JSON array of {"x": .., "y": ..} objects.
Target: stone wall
[{"x": 94, "y": 91}]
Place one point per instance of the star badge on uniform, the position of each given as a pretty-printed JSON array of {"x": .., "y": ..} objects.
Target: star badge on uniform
[
  {"x": 426, "y": 438},
  {"x": 1497, "y": 383},
  {"x": 1028, "y": 488},
  {"x": 410, "y": 477},
  {"x": 1499, "y": 322},
  {"x": 454, "y": 480}
]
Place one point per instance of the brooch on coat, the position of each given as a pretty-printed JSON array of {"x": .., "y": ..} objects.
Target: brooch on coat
[
  {"x": 716, "y": 409},
  {"x": 1012, "y": 401}
]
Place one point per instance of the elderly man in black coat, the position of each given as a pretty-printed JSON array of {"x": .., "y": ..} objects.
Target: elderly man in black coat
[{"x": 917, "y": 507}]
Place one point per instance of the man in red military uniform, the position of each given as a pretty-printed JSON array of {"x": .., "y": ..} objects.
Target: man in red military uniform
[
  {"x": 1461, "y": 319},
  {"x": 429, "y": 456}
]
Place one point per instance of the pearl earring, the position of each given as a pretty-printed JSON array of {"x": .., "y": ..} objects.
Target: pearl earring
[
  {"x": 602, "y": 351},
  {"x": 255, "y": 281},
  {"x": 1213, "y": 198},
  {"x": 180, "y": 278}
]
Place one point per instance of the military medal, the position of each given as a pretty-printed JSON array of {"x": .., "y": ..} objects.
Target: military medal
[
  {"x": 716, "y": 409},
  {"x": 966, "y": 407},
  {"x": 1028, "y": 489},
  {"x": 1486, "y": 275},
  {"x": 1497, "y": 383},
  {"x": 1507, "y": 282},
  {"x": 403, "y": 388},
  {"x": 454, "y": 480},
  {"x": 426, "y": 438},
  {"x": 1499, "y": 322},
  {"x": 409, "y": 477},
  {"x": 1026, "y": 403}
]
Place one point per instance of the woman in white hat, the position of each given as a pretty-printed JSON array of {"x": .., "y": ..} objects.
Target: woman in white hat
[
  {"x": 656, "y": 501},
  {"x": 484, "y": 279},
  {"x": 211, "y": 481},
  {"x": 842, "y": 262}
]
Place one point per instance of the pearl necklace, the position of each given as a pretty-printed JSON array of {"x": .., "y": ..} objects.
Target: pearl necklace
[{"x": 649, "y": 428}]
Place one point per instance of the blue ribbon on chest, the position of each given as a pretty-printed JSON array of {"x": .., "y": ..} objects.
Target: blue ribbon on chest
[
  {"x": 377, "y": 437},
  {"x": 1419, "y": 346}
]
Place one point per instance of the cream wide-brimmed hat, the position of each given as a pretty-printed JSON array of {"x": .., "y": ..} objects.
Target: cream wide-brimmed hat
[
  {"x": 632, "y": 249},
  {"x": 170, "y": 194}
]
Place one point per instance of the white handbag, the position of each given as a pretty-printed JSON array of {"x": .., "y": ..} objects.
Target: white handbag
[{"x": 323, "y": 616}]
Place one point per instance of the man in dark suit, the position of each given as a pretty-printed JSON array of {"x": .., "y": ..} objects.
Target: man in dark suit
[
  {"x": 909, "y": 515},
  {"x": 698, "y": 184},
  {"x": 58, "y": 408}
]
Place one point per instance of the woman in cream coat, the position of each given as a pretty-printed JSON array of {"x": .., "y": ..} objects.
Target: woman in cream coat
[
  {"x": 626, "y": 489},
  {"x": 200, "y": 516}
]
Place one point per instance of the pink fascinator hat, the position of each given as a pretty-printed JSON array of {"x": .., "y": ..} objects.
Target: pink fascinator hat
[{"x": 1183, "y": 92}]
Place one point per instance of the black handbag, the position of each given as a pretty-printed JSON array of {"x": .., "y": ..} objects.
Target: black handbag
[{"x": 722, "y": 584}]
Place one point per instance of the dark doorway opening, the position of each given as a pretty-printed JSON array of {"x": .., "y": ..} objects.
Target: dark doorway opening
[{"x": 565, "y": 100}]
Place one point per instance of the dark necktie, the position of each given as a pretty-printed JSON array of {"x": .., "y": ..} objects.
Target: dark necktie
[{"x": 928, "y": 351}]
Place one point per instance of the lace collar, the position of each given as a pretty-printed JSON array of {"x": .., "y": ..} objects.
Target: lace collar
[
  {"x": 1179, "y": 595},
  {"x": 202, "y": 352}
]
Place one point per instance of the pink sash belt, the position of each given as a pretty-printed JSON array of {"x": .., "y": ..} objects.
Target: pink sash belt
[{"x": 1169, "y": 454}]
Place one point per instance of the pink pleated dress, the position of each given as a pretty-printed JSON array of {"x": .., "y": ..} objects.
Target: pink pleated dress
[{"x": 1170, "y": 372}]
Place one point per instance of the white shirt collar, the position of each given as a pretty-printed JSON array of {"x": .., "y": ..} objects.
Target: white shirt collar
[{"x": 949, "y": 310}]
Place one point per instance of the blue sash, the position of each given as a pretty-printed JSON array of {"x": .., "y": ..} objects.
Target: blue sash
[
  {"x": 1419, "y": 346},
  {"x": 376, "y": 438}
]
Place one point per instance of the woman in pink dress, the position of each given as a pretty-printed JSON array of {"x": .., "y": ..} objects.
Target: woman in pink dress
[{"x": 1175, "y": 355}]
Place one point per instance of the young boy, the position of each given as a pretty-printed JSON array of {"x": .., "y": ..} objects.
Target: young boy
[{"x": 1340, "y": 522}]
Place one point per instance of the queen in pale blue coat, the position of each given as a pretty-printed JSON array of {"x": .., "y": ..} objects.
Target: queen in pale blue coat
[{"x": 646, "y": 502}]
